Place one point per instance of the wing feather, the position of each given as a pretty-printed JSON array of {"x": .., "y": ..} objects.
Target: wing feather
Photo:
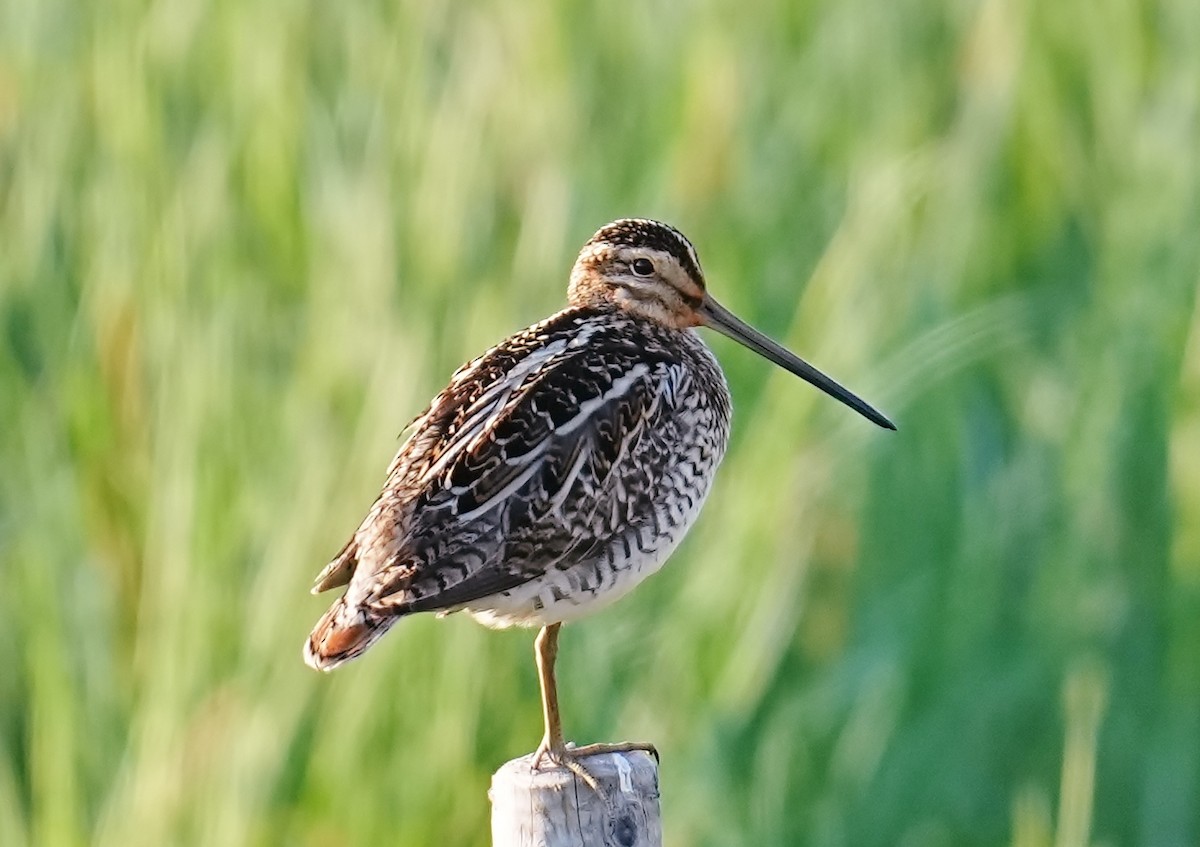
[{"x": 516, "y": 463}]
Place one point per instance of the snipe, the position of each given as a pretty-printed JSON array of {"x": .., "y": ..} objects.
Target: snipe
[{"x": 560, "y": 468}]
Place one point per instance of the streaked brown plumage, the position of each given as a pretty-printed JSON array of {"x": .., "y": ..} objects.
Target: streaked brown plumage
[{"x": 560, "y": 468}]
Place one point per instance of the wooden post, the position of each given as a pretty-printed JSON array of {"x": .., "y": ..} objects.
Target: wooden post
[{"x": 552, "y": 807}]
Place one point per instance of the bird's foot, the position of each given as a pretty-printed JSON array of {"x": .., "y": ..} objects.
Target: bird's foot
[
  {"x": 568, "y": 756},
  {"x": 620, "y": 747}
]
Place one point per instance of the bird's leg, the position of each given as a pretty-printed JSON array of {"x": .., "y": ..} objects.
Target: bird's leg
[
  {"x": 553, "y": 747},
  {"x": 545, "y": 651}
]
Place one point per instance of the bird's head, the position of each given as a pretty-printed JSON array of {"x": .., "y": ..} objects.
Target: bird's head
[
  {"x": 650, "y": 270},
  {"x": 643, "y": 267}
]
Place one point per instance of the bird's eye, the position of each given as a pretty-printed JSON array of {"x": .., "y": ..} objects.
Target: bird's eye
[{"x": 643, "y": 267}]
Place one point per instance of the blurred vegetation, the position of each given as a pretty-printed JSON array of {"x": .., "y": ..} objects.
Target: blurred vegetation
[{"x": 243, "y": 241}]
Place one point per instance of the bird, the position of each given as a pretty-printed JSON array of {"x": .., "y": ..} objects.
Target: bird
[{"x": 559, "y": 469}]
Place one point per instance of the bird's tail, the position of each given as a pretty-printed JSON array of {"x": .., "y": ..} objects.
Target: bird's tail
[{"x": 343, "y": 633}]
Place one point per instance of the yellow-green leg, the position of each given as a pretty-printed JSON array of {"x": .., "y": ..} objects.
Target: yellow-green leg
[{"x": 553, "y": 747}]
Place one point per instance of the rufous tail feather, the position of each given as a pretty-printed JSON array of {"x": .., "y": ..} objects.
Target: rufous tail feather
[{"x": 343, "y": 633}]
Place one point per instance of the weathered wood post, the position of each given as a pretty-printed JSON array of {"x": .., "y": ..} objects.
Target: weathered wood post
[{"x": 553, "y": 807}]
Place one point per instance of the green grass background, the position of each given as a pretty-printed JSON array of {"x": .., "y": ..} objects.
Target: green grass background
[{"x": 243, "y": 241}]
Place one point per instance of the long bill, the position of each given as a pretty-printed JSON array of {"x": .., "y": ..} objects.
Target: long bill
[{"x": 716, "y": 316}]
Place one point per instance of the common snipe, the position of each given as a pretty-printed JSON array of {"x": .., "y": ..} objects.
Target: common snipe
[{"x": 560, "y": 468}]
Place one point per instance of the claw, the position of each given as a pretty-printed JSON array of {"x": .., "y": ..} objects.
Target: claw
[
  {"x": 569, "y": 757},
  {"x": 622, "y": 747},
  {"x": 566, "y": 757},
  {"x": 541, "y": 752}
]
